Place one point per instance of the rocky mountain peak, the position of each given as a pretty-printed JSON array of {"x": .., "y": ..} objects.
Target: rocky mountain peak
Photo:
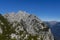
[{"x": 27, "y": 27}]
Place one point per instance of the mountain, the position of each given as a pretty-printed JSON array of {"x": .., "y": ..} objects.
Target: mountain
[
  {"x": 55, "y": 27},
  {"x": 23, "y": 26}
]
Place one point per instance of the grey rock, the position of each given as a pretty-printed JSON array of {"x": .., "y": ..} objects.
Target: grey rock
[{"x": 30, "y": 24}]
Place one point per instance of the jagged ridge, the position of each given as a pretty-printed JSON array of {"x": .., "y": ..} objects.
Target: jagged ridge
[{"x": 23, "y": 26}]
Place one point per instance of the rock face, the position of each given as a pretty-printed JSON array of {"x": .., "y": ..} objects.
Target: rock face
[{"x": 27, "y": 27}]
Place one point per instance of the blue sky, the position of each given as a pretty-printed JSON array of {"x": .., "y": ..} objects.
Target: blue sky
[{"x": 46, "y": 10}]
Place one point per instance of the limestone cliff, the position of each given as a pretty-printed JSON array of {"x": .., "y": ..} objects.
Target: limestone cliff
[{"x": 25, "y": 26}]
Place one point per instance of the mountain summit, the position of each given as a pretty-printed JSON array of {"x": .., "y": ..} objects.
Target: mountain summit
[{"x": 23, "y": 26}]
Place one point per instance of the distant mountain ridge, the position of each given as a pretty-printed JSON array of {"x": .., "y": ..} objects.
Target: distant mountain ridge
[
  {"x": 23, "y": 26},
  {"x": 55, "y": 27}
]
